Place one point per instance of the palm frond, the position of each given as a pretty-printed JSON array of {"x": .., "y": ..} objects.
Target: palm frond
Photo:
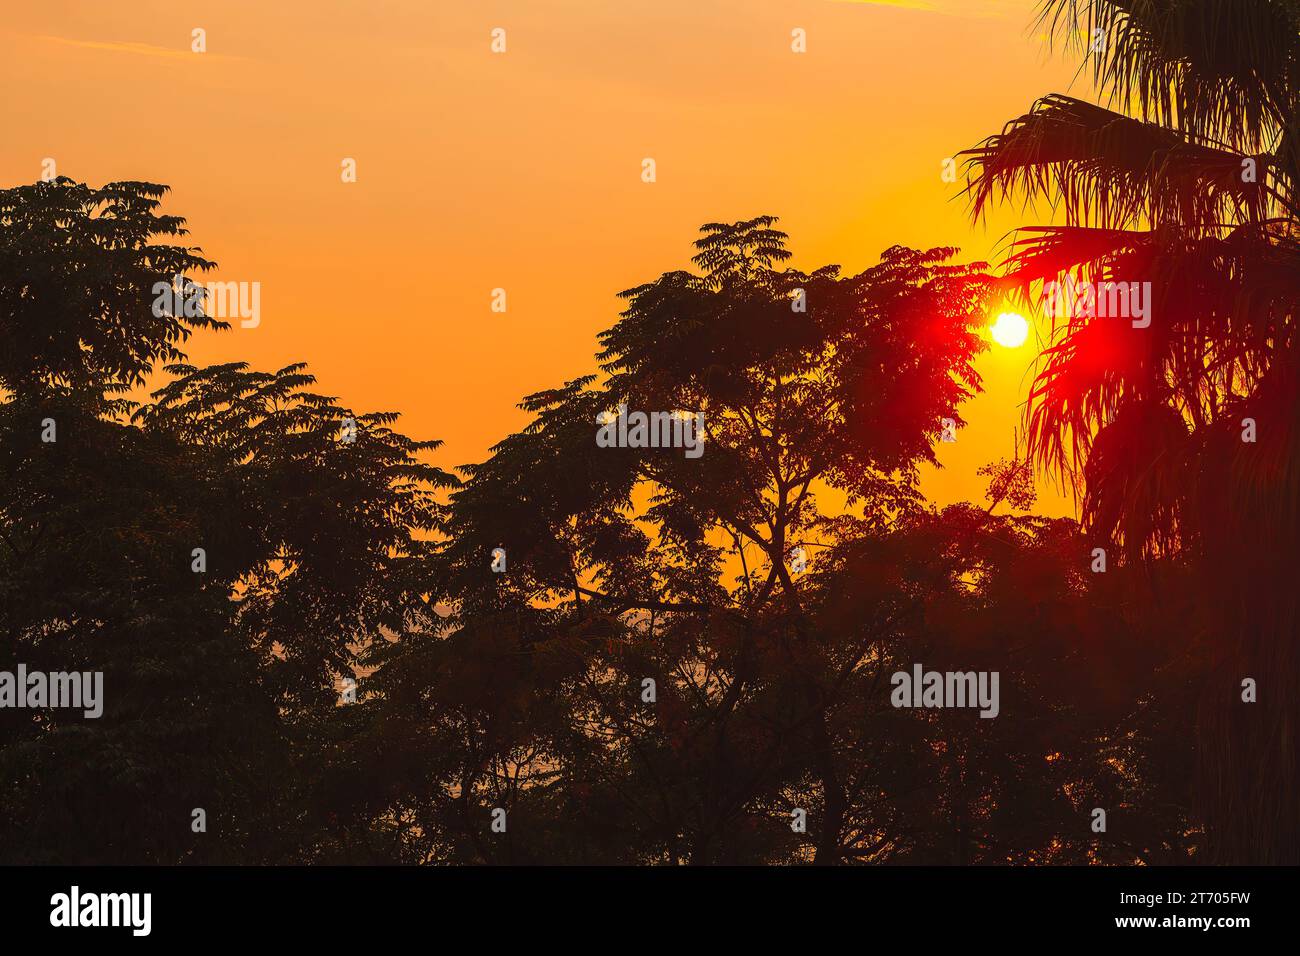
[
  {"x": 1215, "y": 69},
  {"x": 1106, "y": 169}
]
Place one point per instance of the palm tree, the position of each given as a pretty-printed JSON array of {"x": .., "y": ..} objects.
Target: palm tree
[{"x": 1183, "y": 437}]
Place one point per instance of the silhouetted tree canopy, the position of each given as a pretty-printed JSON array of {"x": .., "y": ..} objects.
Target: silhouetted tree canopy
[
  {"x": 769, "y": 588},
  {"x": 1194, "y": 190}
]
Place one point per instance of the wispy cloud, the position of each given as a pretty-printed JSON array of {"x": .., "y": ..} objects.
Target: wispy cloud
[
  {"x": 906, "y": 4},
  {"x": 955, "y": 8},
  {"x": 138, "y": 49}
]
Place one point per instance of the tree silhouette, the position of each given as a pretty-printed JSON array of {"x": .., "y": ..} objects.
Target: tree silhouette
[
  {"x": 78, "y": 265},
  {"x": 1197, "y": 194},
  {"x": 675, "y": 659},
  {"x": 770, "y": 687},
  {"x": 214, "y": 676}
]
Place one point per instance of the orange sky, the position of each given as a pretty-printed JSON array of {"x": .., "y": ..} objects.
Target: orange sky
[{"x": 521, "y": 170}]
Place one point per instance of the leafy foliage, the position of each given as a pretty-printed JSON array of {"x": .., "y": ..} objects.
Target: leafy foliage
[
  {"x": 334, "y": 548},
  {"x": 78, "y": 268},
  {"x": 1195, "y": 193}
]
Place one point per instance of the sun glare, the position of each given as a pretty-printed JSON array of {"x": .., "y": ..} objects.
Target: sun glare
[{"x": 1010, "y": 330}]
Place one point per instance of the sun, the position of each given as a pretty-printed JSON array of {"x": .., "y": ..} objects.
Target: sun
[{"x": 1010, "y": 330}]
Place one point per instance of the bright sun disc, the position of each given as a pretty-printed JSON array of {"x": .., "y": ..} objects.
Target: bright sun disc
[{"x": 1010, "y": 330}]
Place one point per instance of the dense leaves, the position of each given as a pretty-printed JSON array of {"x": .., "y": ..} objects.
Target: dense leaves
[
  {"x": 1183, "y": 434},
  {"x": 679, "y": 656}
]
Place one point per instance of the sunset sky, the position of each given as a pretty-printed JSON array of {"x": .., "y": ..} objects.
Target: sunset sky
[{"x": 522, "y": 170}]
